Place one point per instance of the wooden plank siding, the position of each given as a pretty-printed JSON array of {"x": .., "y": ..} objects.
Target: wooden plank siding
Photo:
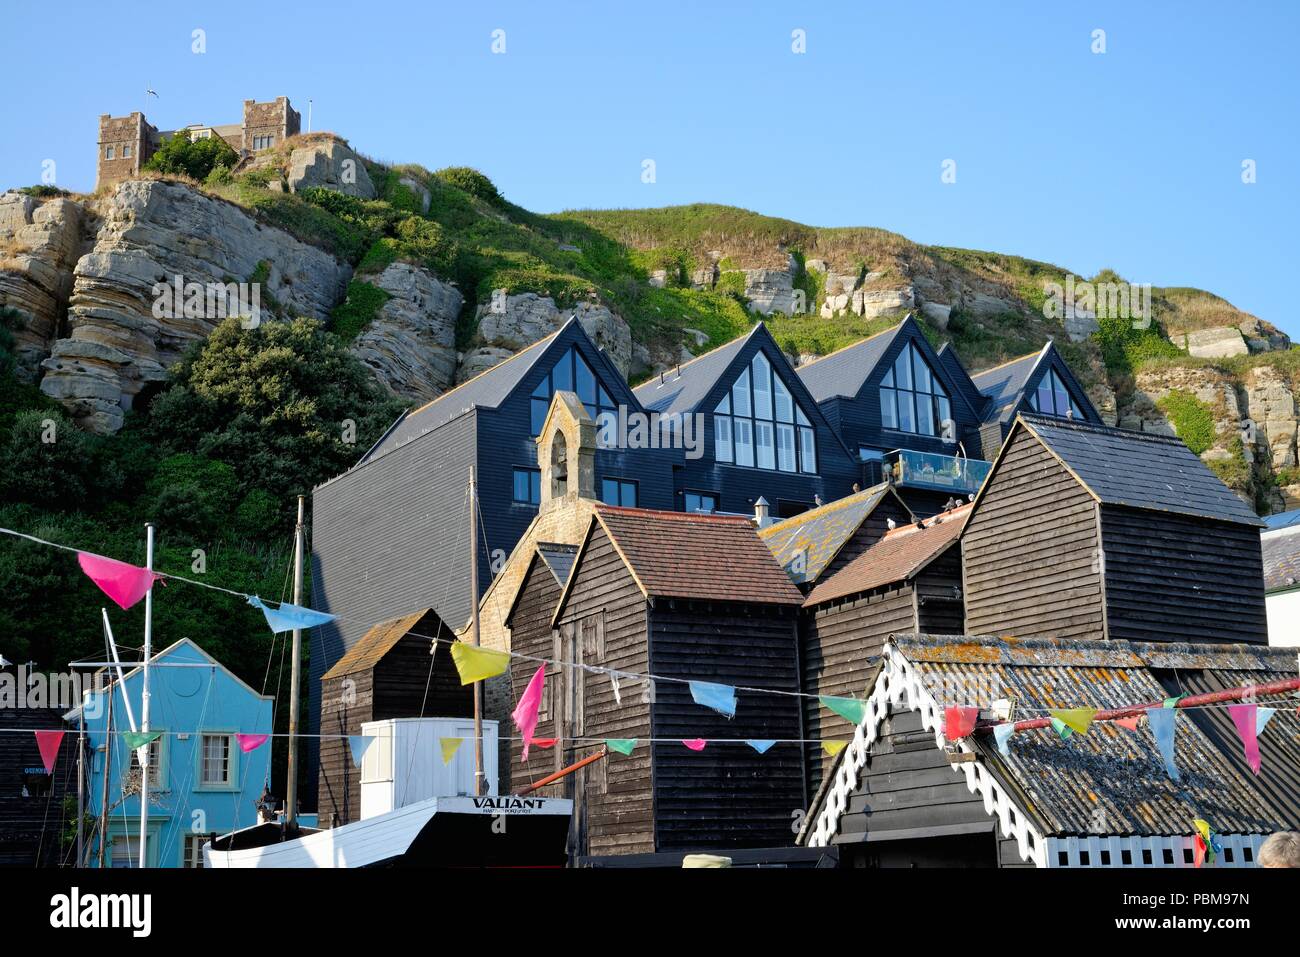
[
  {"x": 840, "y": 646},
  {"x": 727, "y": 795},
  {"x": 908, "y": 790},
  {"x": 1031, "y": 566},
  {"x": 31, "y": 827},
  {"x": 939, "y": 606},
  {"x": 407, "y": 682},
  {"x": 1179, "y": 578},
  {"x": 614, "y": 803},
  {"x": 531, "y": 634}
]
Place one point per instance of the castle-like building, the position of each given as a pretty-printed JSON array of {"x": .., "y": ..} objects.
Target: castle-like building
[{"x": 127, "y": 142}]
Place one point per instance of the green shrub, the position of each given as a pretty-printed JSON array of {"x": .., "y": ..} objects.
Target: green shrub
[
  {"x": 193, "y": 158},
  {"x": 356, "y": 311},
  {"x": 472, "y": 182},
  {"x": 1191, "y": 418}
]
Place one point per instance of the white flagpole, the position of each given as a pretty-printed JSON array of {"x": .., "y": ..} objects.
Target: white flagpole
[{"x": 144, "y": 701}]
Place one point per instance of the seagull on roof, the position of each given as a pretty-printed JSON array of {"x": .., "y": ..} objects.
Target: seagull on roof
[{"x": 891, "y": 523}]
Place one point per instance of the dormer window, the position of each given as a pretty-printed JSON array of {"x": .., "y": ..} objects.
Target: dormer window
[
  {"x": 1053, "y": 398},
  {"x": 571, "y": 374},
  {"x": 759, "y": 425},
  {"x": 912, "y": 398}
]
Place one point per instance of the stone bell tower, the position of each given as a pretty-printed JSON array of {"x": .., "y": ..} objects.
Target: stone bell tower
[{"x": 566, "y": 452}]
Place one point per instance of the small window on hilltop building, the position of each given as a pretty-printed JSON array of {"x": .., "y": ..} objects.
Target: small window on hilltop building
[
  {"x": 108, "y": 153},
  {"x": 126, "y": 152}
]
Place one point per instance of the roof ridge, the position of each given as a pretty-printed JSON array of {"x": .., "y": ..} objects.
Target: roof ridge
[
  {"x": 674, "y": 515},
  {"x": 1053, "y": 421},
  {"x": 854, "y": 345},
  {"x": 1003, "y": 365},
  {"x": 703, "y": 355},
  {"x": 506, "y": 361}
]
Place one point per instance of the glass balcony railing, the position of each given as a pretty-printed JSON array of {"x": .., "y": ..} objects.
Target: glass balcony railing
[{"x": 945, "y": 473}]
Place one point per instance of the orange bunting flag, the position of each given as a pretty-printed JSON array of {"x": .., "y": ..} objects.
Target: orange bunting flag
[{"x": 1131, "y": 722}]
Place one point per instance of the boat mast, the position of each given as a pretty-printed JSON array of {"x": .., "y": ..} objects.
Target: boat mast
[
  {"x": 291, "y": 784},
  {"x": 108, "y": 767},
  {"x": 144, "y": 701},
  {"x": 479, "y": 777}
]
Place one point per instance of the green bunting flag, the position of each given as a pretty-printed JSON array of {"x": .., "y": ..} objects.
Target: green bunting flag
[
  {"x": 850, "y": 708},
  {"x": 138, "y": 739},
  {"x": 1061, "y": 728},
  {"x": 621, "y": 745}
]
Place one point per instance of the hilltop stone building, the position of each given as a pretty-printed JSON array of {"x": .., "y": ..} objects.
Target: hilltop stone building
[{"x": 127, "y": 142}]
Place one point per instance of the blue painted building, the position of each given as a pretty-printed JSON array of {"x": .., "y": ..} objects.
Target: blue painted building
[{"x": 200, "y": 781}]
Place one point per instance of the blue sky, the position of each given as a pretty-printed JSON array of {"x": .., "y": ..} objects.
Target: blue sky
[{"x": 1129, "y": 159}]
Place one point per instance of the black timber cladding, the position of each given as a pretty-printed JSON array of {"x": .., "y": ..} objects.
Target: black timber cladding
[{"x": 31, "y": 826}]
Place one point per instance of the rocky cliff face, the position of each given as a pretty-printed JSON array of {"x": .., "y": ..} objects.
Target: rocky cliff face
[
  {"x": 152, "y": 232},
  {"x": 411, "y": 344},
  {"x": 40, "y": 242},
  {"x": 510, "y": 323}
]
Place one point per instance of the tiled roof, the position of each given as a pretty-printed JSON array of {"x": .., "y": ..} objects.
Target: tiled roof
[
  {"x": 682, "y": 389},
  {"x": 374, "y": 644},
  {"x": 898, "y": 556},
  {"x": 694, "y": 555},
  {"x": 819, "y": 533},
  {"x": 1111, "y": 780},
  {"x": 1139, "y": 469},
  {"x": 559, "y": 559},
  {"x": 1281, "y": 558},
  {"x": 1005, "y": 384},
  {"x": 842, "y": 373}
]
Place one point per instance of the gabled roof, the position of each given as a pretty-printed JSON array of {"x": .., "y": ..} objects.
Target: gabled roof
[
  {"x": 1133, "y": 469},
  {"x": 1006, "y": 385},
  {"x": 1110, "y": 781},
  {"x": 1282, "y": 519},
  {"x": 684, "y": 388},
  {"x": 842, "y": 372},
  {"x": 818, "y": 534},
  {"x": 952, "y": 365},
  {"x": 691, "y": 555},
  {"x": 902, "y": 554},
  {"x": 1110, "y": 769},
  {"x": 489, "y": 389},
  {"x": 1281, "y": 550},
  {"x": 377, "y": 642}
]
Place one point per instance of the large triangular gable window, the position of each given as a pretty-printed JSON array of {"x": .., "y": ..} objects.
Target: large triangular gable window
[
  {"x": 759, "y": 424},
  {"x": 1054, "y": 398},
  {"x": 912, "y": 399},
  {"x": 571, "y": 374}
]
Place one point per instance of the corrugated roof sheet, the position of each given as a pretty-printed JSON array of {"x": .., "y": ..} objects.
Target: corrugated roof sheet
[
  {"x": 1283, "y": 519},
  {"x": 819, "y": 533},
  {"x": 1109, "y": 781},
  {"x": 694, "y": 555},
  {"x": 374, "y": 644},
  {"x": 559, "y": 559},
  {"x": 842, "y": 373},
  {"x": 1139, "y": 469},
  {"x": 1281, "y": 558},
  {"x": 683, "y": 388},
  {"x": 895, "y": 558}
]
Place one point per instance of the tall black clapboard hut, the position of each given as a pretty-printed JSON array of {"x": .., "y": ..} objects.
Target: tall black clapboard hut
[
  {"x": 1084, "y": 531},
  {"x": 681, "y": 596}
]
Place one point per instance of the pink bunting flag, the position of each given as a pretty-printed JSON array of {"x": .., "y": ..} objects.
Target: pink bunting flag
[
  {"x": 525, "y": 713},
  {"x": 125, "y": 584},
  {"x": 250, "y": 742},
  {"x": 695, "y": 744},
  {"x": 959, "y": 722},
  {"x": 1131, "y": 722},
  {"x": 1243, "y": 716},
  {"x": 48, "y": 742},
  {"x": 544, "y": 742}
]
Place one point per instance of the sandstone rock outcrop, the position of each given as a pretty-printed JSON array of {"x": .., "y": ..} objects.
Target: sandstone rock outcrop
[
  {"x": 40, "y": 241},
  {"x": 772, "y": 290},
  {"x": 152, "y": 232},
  {"x": 410, "y": 345},
  {"x": 510, "y": 323},
  {"x": 1217, "y": 343},
  {"x": 333, "y": 165}
]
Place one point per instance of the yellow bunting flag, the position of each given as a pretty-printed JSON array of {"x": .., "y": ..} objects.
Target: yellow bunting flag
[
  {"x": 1076, "y": 719},
  {"x": 449, "y": 748},
  {"x": 477, "y": 664},
  {"x": 834, "y": 747}
]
